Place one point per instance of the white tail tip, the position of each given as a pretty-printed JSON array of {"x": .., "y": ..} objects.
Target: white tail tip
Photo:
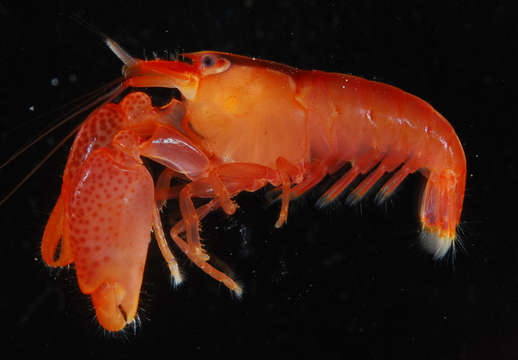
[{"x": 436, "y": 244}]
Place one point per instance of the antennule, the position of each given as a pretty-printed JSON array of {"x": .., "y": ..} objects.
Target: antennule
[{"x": 122, "y": 54}]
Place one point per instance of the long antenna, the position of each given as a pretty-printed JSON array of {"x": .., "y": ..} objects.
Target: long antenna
[
  {"x": 102, "y": 99},
  {"x": 88, "y": 26},
  {"x": 85, "y": 104},
  {"x": 126, "y": 58}
]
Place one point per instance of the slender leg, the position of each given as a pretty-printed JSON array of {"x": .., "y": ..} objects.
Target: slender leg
[
  {"x": 389, "y": 163},
  {"x": 395, "y": 180},
  {"x": 164, "y": 248},
  {"x": 222, "y": 194},
  {"x": 192, "y": 223},
  {"x": 392, "y": 184},
  {"x": 315, "y": 175},
  {"x": 200, "y": 261},
  {"x": 163, "y": 189},
  {"x": 210, "y": 187},
  {"x": 285, "y": 197},
  {"x": 338, "y": 187},
  {"x": 287, "y": 172},
  {"x": 366, "y": 184},
  {"x": 221, "y": 185},
  {"x": 366, "y": 162}
]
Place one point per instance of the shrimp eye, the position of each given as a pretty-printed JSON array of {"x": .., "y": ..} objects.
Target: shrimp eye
[
  {"x": 213, "y": 64},
  {"x": 208, "y": 60}
]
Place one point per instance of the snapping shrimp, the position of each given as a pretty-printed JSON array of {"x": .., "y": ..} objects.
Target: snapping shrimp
[{"x": 242, "y": 123}]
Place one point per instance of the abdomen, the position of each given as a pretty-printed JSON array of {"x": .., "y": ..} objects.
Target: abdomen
[{"x": 379, "y": 128}]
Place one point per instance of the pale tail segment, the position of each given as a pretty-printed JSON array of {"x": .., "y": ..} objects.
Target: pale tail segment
[{"x": 440, "y": 211}]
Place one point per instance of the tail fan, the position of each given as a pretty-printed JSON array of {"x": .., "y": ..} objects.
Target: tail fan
[{"x": 441, "y": 206}]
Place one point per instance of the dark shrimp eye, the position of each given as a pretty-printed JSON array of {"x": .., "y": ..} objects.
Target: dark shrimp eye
[{"x": 208, "y": 60}]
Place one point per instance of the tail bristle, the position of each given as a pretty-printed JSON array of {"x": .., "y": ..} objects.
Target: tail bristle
[{"x": 436, "y": 243}]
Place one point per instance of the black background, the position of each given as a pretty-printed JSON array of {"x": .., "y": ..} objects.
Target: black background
[{"x": 345, "y": 282}]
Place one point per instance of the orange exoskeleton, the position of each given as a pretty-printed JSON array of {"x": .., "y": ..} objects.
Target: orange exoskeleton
[{"x": 241, "y": 123}]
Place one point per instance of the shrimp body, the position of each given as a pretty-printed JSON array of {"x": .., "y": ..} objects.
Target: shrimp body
[
  {"x": 242, "y": 123},
  {"x": 260, "y": 112}
]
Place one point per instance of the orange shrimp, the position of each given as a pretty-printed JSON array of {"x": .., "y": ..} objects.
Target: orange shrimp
[{"x": 242, "y": 123}]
